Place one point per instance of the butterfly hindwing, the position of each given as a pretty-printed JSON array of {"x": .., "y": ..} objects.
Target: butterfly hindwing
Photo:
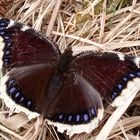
[
  {"x": 68, "y": 102},
  {"x": 23, "y": 88}
]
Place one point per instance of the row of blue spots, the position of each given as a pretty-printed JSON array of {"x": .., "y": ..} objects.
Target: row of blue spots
[
  {"x": 5, "y": 35},
  {"x": 4, "y": 23},
  {"x": 124, "y": 81},
  {"x": 15, "y": 93},
  {"x": 79, "y": 118}
]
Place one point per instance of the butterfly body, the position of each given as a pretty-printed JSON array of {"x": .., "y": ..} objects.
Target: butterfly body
[{"x": 66, "y": 89}]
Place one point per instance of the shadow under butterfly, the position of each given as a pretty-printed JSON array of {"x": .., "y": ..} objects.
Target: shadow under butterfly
[{"x": 66, "y": 89}]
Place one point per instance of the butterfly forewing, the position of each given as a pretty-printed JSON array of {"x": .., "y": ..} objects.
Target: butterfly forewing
[
  {"x": 23, "y": 46},
  {"x": 108, "y": 73}
]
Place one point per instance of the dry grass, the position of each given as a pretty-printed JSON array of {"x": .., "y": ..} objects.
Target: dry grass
[{"x": 94, "y": 24}]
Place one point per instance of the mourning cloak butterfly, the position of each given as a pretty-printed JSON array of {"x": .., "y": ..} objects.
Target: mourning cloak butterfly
[{"x": 66, "y": 89}]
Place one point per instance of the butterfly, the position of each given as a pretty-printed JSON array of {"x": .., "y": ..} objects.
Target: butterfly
[{"x": 66, "y": 89}]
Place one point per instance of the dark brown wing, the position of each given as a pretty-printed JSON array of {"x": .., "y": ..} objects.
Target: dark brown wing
[
  {"x": 70, "y": 102},
  {"x": 21, "y": 46},
  {"x": 108, "y": 73},
  {"x": 26, "y": 87},
  {"x": 76, "y": 97}
]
